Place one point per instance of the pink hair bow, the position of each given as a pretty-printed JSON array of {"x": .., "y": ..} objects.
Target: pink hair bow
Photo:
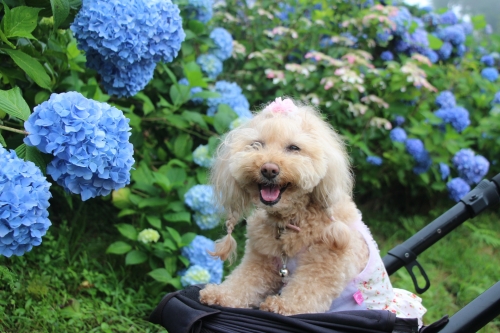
[{"x": 282, "y": 106}]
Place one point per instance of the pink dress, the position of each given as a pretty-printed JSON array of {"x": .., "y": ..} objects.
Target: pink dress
[{"x": 371, "y": 289}]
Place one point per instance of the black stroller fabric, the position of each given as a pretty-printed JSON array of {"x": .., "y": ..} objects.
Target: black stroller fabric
[{"x": 181, "y": 312}]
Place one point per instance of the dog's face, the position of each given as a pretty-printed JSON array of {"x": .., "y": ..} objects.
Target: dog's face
[
  {"x": 280, "y": 160},
  {"x": 285, "y": 154}
]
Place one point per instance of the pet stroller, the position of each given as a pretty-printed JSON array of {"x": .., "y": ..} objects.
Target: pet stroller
[{"x": 181, "y": 311}]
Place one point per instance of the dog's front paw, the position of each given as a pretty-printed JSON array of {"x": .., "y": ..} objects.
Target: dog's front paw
[
  {"x": 214, "y": 294},
  {"x": 277, "y": 304}
]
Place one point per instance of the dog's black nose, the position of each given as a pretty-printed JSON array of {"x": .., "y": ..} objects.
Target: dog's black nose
[{"x": 269, "y": 170}]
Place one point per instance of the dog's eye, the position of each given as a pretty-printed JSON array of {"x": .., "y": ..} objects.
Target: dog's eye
[
  {"x": 292, "y": 148},
  {"x": 257, "y": 144}
]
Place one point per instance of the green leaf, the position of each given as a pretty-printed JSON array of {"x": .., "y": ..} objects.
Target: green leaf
[
  {"x": 161, "y": 275},
  {"x": 163, "y": 181},
  {"x": 120, "y": 198},
  {"x": 155, "y": 221},
  {"x": 434, "y": 42},
  {"x": 125, "y": 212},
  {"x": 179, "y": 93},
  {"x": 20, "y": 21},
  {"x": 152, "y": 202},
  {"x": 183, "y": 145},
  {"x": 177, "y": 121},
  {"x": 479, "y": 22},
  {"x": 2, "y": 141},
  {"x": 223, "y": 118},
  {"x": 119, "y": 248},
  {"x": 187, "y": 238},
  {"x": 196, "y": 118},
  {"x": 194, "y": 75},
  {"x": 175, "y": 235},
  {"x": 147, "y": 106},
  {"x": 127, "y": 230},
  {"x": 13, "y": 103},
  {"x": 5, "y": 40},
  {"x": 32, "y": 154},
  {"x": 31, "y": 66},
  {"x": 135, "y": 257},
  {"x": 178, "y": 217},
  {"x": 60, "y": 10}
]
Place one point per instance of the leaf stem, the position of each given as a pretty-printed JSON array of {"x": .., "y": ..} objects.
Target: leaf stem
[{"x": 13, "y": 130}]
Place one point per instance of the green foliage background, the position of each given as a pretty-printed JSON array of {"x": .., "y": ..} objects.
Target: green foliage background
[{"x": 91, "y": 274}]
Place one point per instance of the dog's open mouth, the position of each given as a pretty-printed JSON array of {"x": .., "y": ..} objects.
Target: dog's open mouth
[{"x": 270, "y": 194}]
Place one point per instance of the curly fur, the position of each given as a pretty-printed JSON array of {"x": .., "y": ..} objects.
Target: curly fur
[{"x": 317, "y": 199}]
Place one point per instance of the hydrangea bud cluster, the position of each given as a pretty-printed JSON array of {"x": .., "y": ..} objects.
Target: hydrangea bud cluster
[
  {"x": 200, "y": 198},
  {"x": 197, "y": 254},
  {"x": 148, "y": 235},
  {"x": 24, "y": 199},
  {"x": 89, "y": 141},
  {"x": 202, "y": 157},
  {"x": 195, "y": 275},
  {"x": 124, "y": 39}
]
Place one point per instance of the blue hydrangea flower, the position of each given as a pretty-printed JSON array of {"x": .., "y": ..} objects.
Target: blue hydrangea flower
[
  {"x": 383, "y": 37},
  {"x": 467, "y": 27},
  {"x": 444, "y": 169},
  {"x": 399, "y": 120},
  {"x": 206, "y": 222},
  {"x": 122, "y": 81},
  {"x": 446, "y": 100},
  {"x": 496, "y": 99},
  {"x": 194, "y": 90},
  {"x": 415, "y": 147},
  {"x": 398, "y": 134},
  {"x": 24, "y": 199},
  {"x": 230, "y": 94},
  {"x": 488, "y": 60},
  {"x": 195, "y": 275},
  {"x": 89, "y": 141},
  {"x": 490, "y": 74},
  {"x": 449, "y": 18},
  {"x": 210, "y": 65},
  {"x": 197, "y": 254},
  {"x": 445, "y": 51},
  {"x": 387, "y": 56},
  {"x": 202, "y": 157},
  {"x": 453, "y": 34},
  {"x": 427, "y": 9},
  {"x": 201, "y": 198},
  {"x": 223, "y": 43},
  {"x": 457, "y": 117},
  {"x": 126, "y": 31},
  {"x": 461, "y": 49},
  {"x": 403, "y": 20},
  {"x": 470, "y": 167},
  {"x": 200, "y": 10},
  {"x": 418, "y": 41},
  {"x": 432, "y": 55},
  {"x": 374, "y": 160},
  {"x": 432, "y": 19},
  {"x": 286, "y": 10},
  {"x": 457, "y": 189}
]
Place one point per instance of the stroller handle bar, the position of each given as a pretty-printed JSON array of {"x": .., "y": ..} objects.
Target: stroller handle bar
[
  {"x": 486, "y": 306},
  {"x": 485, "y": 194}
]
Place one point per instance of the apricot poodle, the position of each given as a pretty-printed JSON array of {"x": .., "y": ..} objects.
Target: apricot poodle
[{"x": 287, "y": 172}]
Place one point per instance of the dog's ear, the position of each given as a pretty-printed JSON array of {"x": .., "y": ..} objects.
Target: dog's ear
[
  {"x": 338, "y": 180},
  {"x": 229, "y": 195}
]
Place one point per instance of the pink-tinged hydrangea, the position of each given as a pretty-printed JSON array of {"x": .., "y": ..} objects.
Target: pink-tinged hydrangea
[
  {"x": 24, "y": 199},
  {"x": 89, "y": 141}
]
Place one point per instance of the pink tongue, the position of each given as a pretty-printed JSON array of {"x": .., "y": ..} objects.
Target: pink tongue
[{"x": 269, "y": 193}]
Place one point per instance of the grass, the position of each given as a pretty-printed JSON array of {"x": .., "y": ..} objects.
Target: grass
[{"x": 68, "y": 284}]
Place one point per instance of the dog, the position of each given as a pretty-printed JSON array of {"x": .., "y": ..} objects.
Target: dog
[{"x": 307, "y": 250}]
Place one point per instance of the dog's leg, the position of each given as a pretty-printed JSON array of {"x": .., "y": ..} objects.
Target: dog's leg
[
  {"x": 320, "y": 277},
  {"x": 247, "y": 286}
]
